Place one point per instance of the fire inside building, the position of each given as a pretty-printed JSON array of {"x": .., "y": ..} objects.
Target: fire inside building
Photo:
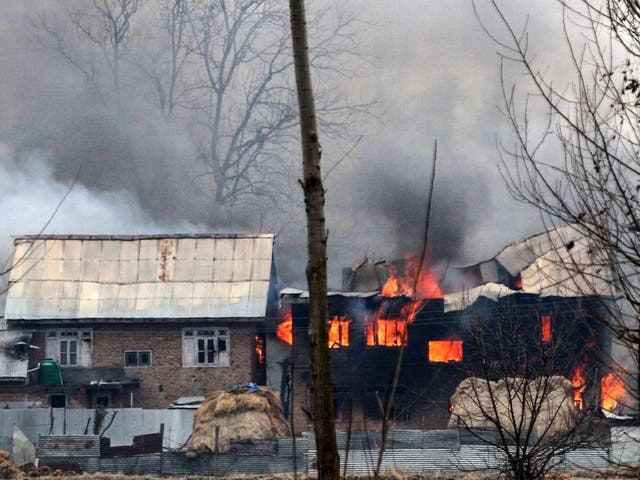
[
  {"x": 523, "y": 314},
  {"x": 140, "y": 321}
]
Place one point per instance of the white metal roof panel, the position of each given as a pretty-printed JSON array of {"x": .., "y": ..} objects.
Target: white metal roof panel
[{"x": 173, "y": 276}]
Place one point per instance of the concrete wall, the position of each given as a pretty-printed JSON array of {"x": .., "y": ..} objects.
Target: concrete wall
[{"x": 128, "y": 422}]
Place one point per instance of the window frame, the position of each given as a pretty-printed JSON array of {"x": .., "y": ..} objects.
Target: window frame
[
  {"x": 138, "y": 353},
  {"x": 206, "y": 343},
  {"x": 68, "y": 346}
]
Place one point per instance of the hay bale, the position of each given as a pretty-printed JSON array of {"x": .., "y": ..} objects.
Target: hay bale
[
  {"x": 7, "y": 468},
  {"x": 472, "y": 405},
  {"x": 236, "y": 416}
]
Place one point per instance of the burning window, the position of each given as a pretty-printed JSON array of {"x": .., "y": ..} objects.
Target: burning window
[
  {"x": 612, "y": 388},
  {"x": 260, "y": 348},
  {"x": 579, "y": 383},
  {"x": 339, "y": 332},
  {"x": 285, "y": 327},
  {"x": 445, "y": 351},
  {"x": 545, "y": 328},
  {"x": 388, "y": 333}
]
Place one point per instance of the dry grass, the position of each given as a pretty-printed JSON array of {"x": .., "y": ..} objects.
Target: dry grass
[{"x": 237, "y": 416}]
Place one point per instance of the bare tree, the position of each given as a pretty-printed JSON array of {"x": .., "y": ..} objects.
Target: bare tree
[
  {"x": 221, "y": 71},
  {"x": 524, "y": 393},
  {"x": 106, "y": 28},
  {"x": 322, "y": 387},
  {"x": 164, "y": 57},
  {"x": 592, "y": 120}
]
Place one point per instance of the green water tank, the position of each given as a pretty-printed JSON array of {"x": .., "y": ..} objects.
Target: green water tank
[{"x": 49, "y": 373}]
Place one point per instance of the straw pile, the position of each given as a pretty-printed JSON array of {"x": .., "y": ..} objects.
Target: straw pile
[
  {"x": 236, "y": 416},
  {"x": 7, "y": 468},
  {"x": 549, "y": 399}
]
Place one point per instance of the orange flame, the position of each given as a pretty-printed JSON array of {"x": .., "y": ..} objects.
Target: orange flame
[
  {"x": 612, "y": 388},
  {"x": 579, "y": 384},
  {"x": 393, "y": 332},
  {"x": 285, "y": 328},
  {"x": 388, "y": 333},
  {"x": 445, "y": 351},
  {"x": 545, "y": 328},
  {"x": 404, "y": 283},
  {"x": 339, "y": 332},
  {"x": 260, "y": 348}
]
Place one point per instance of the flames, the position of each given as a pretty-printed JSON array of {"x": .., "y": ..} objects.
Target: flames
[
  {"x": 381, "y": 328},
  {"x": 612, "y": 389},
  {"x": 445, "y": 351},
  {"x": 285, "y": 328},
  {"x": 392, "y": 332},
  {"x": 545, "y": 328},
  {"x": 579, "y": 384},
  {"x": 403, "y": 282},
  {"x": 260, "y": 349},
  {"x": 339, "y": 332},
  {"x": 388, "y": 333}
]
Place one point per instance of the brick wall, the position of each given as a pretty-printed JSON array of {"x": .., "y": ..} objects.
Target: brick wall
[{"x": 166, "y": 380}]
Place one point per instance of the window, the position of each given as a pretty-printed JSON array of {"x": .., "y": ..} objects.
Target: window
[
  {"x": 545, "y": 328},
  {"x": 205, "y": 347},
  {"x": 57, "y": 400},
  {"x": 137, "y": 358},
  {"x": 339, "y": 332},
  {"x": 70, "y": 348},
  {"x": 445, "y": 351},
  {"x": 388, "y": 333}
]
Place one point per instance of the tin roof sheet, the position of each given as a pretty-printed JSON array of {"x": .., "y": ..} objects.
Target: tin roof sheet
[
  {"x": 149, "y": 276},
  {"x": 562, "y": 262}
]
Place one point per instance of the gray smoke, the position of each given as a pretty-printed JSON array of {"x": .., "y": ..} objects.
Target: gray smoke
[{"x": 434, "y": 75}]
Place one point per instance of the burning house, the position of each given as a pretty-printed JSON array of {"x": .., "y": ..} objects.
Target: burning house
[
  {"x": 522, "y": 313},
  {"x": 135, "y": 320}
]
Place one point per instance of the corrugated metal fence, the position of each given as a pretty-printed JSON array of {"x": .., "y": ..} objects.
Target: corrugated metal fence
[{"x": 407, "y": 450}]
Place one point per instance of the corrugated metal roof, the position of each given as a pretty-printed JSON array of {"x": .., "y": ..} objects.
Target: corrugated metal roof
[
  {"x": 151, "y": 276},
  {"x": 304, "y": 294},
  {"x": 461, "y": 300},
  {"x": 562, "y": 262}
]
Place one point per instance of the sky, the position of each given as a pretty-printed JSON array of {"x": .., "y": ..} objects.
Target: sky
[{"x": 432, "y": 71}]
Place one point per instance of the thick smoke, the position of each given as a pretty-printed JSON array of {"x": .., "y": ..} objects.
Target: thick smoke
[
  {"x": 435, "y": 77},
  {"x": 32, "y": 200}
]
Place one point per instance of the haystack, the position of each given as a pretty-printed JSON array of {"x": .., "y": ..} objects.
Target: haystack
[
  {"x": 7, "y": 468},
  {"x": 236, "y": 416},
  {"x": 550, "y": 398}
]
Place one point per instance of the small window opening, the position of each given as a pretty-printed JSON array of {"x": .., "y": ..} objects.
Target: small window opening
[{"x": 545, "y": 328}]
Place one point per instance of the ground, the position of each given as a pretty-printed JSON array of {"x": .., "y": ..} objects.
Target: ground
[{"x": 435, "y": 475}]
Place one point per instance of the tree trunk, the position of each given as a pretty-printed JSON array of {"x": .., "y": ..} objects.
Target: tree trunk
[{"x": 323, "y": 418}]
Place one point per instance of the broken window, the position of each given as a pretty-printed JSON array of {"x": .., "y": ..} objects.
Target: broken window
[
  {"x": 545, "y": 328},
  {"x": 388, "y": 333},
  {"x": 205, "y": 347},
  {"x": 137, "y": 358},
  {"x": 70, "y": 348},
  {"x": 339, "y": 332},
  {"x": 445, "y": 351}
]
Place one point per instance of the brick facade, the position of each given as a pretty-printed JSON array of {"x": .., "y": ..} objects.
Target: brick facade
[
  {"x": 159, "y": 384},
  {"x": 166, "y": 379}
]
